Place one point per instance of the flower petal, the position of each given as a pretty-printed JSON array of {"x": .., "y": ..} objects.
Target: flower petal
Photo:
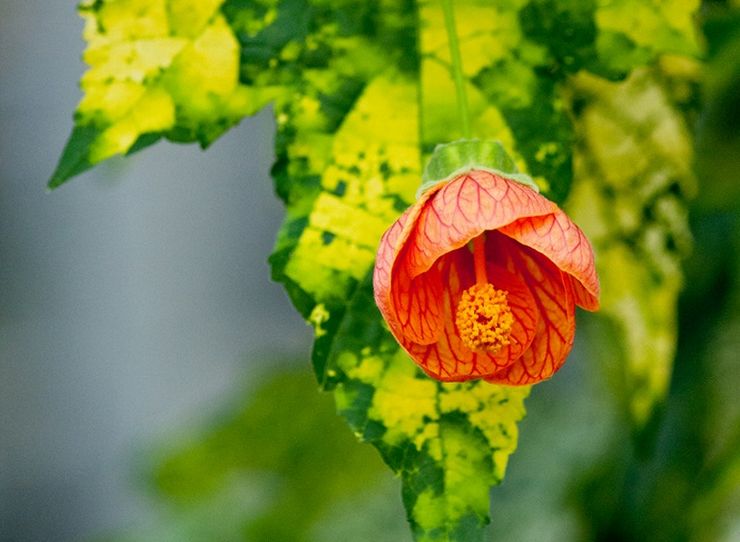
[
  {"x": 583, "y": 298},
  {"x": 526, "y": 314},
  {"x": 418, "y": 305},
  {"x": 385, "y": 274},
  {"x": 553, "y": 296},
  {"x": 557, "y": 237},
  {"x": 390, "y": 244},
  {"x": 448, "y": 359},
  {"x": 463, "y": 208}
]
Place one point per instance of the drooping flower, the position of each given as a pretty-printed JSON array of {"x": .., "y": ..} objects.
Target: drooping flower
[{"x": 480, "y": 278}]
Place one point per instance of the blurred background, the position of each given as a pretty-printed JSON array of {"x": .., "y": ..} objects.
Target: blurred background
[
  {"x": 131, "y": 301},
  {"x": 142, "y": 349}
]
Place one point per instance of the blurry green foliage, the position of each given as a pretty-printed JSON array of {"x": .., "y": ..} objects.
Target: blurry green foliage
[
  {"x": 275, "y": 467},
  {"x": 685, "y": 484},
  {"x": 633, "y": 175},
  {"x": 595, "y": 96}
]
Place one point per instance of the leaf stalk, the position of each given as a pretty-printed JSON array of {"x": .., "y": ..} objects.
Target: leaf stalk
[{"x": 456, "y": 65}]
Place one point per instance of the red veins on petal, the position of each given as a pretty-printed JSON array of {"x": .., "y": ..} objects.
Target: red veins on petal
[
  {"x": 448, "y": 359},
  {"x": 418, "y": 305},
  {"x": 464, "y": 208},
  {"x": 533, "y": 253},
  {"x": 553, "y": 298},
  {"x": 558, "y": 238},
  {"x": 393, "y": 240}
]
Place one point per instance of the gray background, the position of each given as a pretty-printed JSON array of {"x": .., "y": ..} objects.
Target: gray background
[{"x": 131, "y": 300}]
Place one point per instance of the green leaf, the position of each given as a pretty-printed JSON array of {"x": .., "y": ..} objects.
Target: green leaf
[
  {"x": 362, "y": 94},
  {"x": 189, "y": 70},
  {"x": 423, "y": 429},
  {"x": 157, "y": 68},
  {"x": 259, "y": 461},
  {"x": 75, "y": 156},
  {"x": 632, "y": 33},
  {"x": 449, "y": 442},
  {"x": 356, "y": 182},
  {"x": 511, "y": 87},
  {"x": 633, "y": 176}
]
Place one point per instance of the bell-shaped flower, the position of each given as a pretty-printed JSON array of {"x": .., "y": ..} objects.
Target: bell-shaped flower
[{"x": 480, "y": 278}]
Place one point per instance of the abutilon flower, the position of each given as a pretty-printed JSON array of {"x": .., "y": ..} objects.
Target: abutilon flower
[{"x": 480, "y": 278}]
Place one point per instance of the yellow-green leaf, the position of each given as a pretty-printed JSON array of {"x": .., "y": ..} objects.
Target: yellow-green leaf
[
  {"x": 157, "y": 68},
  {"x": 633, "y": 173},
  {"x": 362, "y": 93}
]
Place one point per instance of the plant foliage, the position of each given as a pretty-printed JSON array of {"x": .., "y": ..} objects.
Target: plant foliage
[{"x": 362, "y": 92}]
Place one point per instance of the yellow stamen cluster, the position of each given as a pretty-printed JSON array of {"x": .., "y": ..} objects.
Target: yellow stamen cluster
[{"x": 484, "y": 318}]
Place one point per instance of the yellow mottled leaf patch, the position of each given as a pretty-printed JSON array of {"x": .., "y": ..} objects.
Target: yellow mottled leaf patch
[
  {"x": 635, "y": 159},
  {"x": 156, "y": 68}
]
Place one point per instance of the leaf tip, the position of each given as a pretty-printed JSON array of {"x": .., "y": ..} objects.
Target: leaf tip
[{"x": 75, "y": 156}]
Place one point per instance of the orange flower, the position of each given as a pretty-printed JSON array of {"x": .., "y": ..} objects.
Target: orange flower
[{"x": 480, "y": 278}]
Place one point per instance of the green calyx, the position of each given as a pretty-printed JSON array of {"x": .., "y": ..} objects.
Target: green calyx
[{"x": 452, "y": 159}]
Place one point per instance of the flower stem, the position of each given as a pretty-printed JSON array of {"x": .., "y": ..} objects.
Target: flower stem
[
  {"x": 457, "y": 72},
  {"x": 479, "y": 259}
]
